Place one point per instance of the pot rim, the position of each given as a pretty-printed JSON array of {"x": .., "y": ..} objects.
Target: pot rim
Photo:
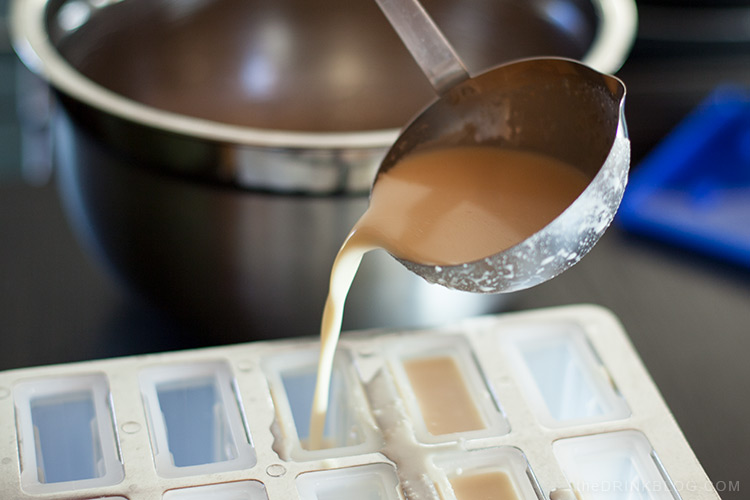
[{"x": 612, "y": 42}]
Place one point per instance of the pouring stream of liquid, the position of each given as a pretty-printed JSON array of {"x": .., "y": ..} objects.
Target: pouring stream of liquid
[{"x": 444, "y": 207}]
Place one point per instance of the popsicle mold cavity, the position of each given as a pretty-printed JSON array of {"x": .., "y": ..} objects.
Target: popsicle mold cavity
[
  {"x": 349, "y": 428},
  {"x": 66, "y": 434},
  {"x": 472, "y": 475},
  {"x": 614, "y": 466},
  {"x": 240, "y": 490},
  {"x": 194, "y": 419},
  {"x": 444, "y": 390},
  {"x": 562, "y": 377},
  {"x": 366, "y": 482}
]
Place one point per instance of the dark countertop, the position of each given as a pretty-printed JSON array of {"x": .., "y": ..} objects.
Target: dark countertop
[{"x": 688, "y": 316}]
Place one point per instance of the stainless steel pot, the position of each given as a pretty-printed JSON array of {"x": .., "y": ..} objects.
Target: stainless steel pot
[{"x": 214, "y": 153}]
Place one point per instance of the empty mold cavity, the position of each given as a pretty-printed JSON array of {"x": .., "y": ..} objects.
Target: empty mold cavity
[
  {"x": 562, "y": 377},
  {"x": 365, "y": 482},
  {"x": 66, "y": 434},
  {"x": 349, "y": 427},
  {"x": 195, "y": 419},
  {"x": 614, "y": 466},
  {"x": 500, "y": 472},
  {"x": 443, "y": 389},
  {"x": 240, "y": 490}
]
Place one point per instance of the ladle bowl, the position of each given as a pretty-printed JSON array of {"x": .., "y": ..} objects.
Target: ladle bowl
[{"x": 553, "y": 106}]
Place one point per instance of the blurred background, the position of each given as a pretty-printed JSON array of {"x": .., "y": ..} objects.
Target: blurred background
[{"x": 687, "y": 314}]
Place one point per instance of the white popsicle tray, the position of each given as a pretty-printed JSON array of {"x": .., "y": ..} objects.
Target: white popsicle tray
[{"x": 567, "y": 409}]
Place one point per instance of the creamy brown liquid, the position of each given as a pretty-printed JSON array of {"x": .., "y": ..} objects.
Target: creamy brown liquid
[
  {"x": 444, "y": 207},
  {"x": 443, "y": 397},
  {"x": 486, "y": 486}
]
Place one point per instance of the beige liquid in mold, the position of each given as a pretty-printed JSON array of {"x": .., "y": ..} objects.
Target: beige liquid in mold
[
  {"x": 444, "y": 207},
  {"x": 442, "y": 395},
  {"x": 485, "y": 486}
]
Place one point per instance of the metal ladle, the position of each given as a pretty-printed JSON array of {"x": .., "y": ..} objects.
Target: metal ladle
[{"x": 554, "y": 106}]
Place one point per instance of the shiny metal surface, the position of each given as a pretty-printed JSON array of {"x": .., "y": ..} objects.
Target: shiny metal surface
[
  {"x": 226, "y": 207},
  {"x": 426, "y": 43},
  {"x": 556, "y": 107},
  {"x": 326, "y": 85}
]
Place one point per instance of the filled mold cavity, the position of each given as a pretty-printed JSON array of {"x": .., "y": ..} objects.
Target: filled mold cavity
[
  {"x": 366, "y": 482},
  {"x": 562, "y": 377},
  {"x": 195, "y": 419},
  {"x": 614, "y": 466},
  {"x": 501, "y": 472},
  {"x": 66, "y": 434},
  {"x": 443, "y": 395},
  {"x": 239, "y": 490},
  {"x": 349, "y": 426},
  {"x": 482, "y": 484},
  {"x": 444, "y": 390}
]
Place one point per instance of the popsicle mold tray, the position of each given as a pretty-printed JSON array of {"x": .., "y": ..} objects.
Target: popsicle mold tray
[{"x": 551, "y": 404}]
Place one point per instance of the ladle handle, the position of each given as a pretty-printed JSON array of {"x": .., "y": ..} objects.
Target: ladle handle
[{"x": 427, "y": 45}]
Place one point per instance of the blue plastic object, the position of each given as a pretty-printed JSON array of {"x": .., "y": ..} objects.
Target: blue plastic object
[{"x": 693, "y": 189}]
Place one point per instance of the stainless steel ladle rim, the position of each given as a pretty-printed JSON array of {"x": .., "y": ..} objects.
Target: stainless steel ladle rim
[
  {"x": 612, "y": 42},
  {"x": 591, "y": 212}
]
